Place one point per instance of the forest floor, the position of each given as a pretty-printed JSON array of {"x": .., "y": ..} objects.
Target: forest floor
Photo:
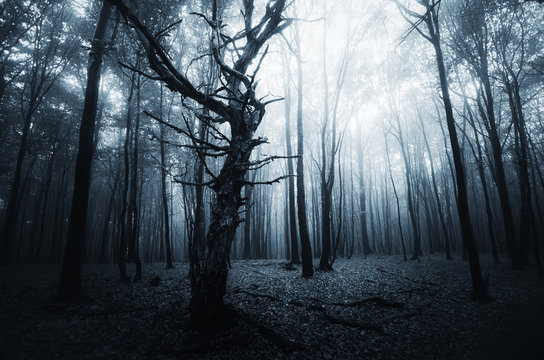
[{"x": 378, "y": 307}]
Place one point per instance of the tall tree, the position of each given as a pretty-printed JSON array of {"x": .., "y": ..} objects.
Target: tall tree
[
  {"x": 48, "y": 58},
  {"x": 437, "y": 193},
  {"x": 329, "y": 135},
  {"x": 125, "y": 215},
  {"x": 70, "y": 281},
  {"x": 511, "y": 40},
  {"x": 292, "y": 224},
  {"x": 430, "y": 18},
  {"x": 235, "y": 104},
  {"x": 306, "y": 250},
  {"x": 362, "y": 200},
  {"x": 471, "y": 41},
  {"x": 399, "y": 218},
  {"x": 164, "y": 196},
  {"x": 134, "y": 214}
]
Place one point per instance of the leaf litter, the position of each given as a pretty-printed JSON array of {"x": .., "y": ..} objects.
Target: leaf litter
[{"x": 374, "y": 307}]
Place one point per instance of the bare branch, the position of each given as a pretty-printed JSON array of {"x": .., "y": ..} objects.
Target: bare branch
[
  {"x": 166, "y": 29},
  {"x": 271, "y": 182},
  {"x": 132, "y": 68}
]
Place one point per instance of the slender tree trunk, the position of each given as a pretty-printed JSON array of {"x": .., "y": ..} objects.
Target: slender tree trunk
[
  {"x": 307, "y": 266},
  {"x": 124, "y": 222},
  {"x": 362, "y": 199},
  {"x": 489, "y": 211},
  {"x": 295, "y": 258},
  {"x": 399, "y": 218},
  {"x": 352, "y": 210},
  {"x": 105, "y": 239},
  {"x": 34, "y": 222},
  {"x": 70, "y": 281},
  {"x": 12, "y": 209},
  {"x": 286, "y": 227},
  {"x": 428, "y": 217},
  {"x": 500, "y": 178},
  {"x": 536, "y": 239},
  {"x": 523, "y": 169},
  {"x": 166, "y": 228},
  {"x": 47, "y": 186},
  {"x": 437, "y": 196},
  {"x": 58, "y": 217},
  {"x": 326, "y": 180},
  {"x": 133, "y": 248},
  {"x": 479, "y": 287},
  {"x": 26, "y": 197},
  {"x": 410, "y": 195}
]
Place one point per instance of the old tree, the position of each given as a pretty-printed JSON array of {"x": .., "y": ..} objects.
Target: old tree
[{"x": 234, "y": 103}]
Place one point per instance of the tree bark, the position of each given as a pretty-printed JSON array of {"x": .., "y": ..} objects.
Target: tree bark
[
  {"x": 243, "y": 111},
  {"x": 399, "y": 218},
  {"x": 362, "y": 200},
  {"x": 481, "y": 173},
  {"x": 105, "y": 238},
  {"x": 437, "y": 195},
  {"x": 431, "y": 19},
  {"x": 209, "y": 283},
  {"x": 125, "y": 216},
  {"x": 70, "y": 281},
  {"x": 518, "y": 119},
  {"x": 166, "y": 228},
  {"x": 295, "y": 258},
  {"x": 134, "y": 248},
  {"x": 307, "y": 265},
  {"x": 479, "y": 287}
]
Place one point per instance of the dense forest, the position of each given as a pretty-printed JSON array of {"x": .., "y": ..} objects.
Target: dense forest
[{"x": 273, "y": 154}]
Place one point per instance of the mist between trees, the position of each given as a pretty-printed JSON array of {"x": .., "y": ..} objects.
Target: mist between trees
[{"x": 206, "y": 131}]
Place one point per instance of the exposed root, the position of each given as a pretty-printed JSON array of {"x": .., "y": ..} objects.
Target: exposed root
[
  {"x": 332, "y": 318},
  {"x": 289, "y": 266},
  {"x": 373, "y": 299},
  {"x": 404, "y": 315},
  {"x": 273, "y": 336},
  {"x": 407, "y": 278},
  {"x": 351, "y": 323}
]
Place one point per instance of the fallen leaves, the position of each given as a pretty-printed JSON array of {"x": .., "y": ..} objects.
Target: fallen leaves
[{"x": 378, "y": 307}]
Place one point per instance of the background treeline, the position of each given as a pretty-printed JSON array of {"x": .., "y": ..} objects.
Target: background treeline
[{"x": 378, "y": 171}]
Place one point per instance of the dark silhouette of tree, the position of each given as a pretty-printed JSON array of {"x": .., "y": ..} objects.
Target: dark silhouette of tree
[
  {"x": 431, "y": 19},
  {"x": 291, "y": 220},
  {"x": 48, "y": 59},
  {"x": 235, "y": 104},
  {"x": 164, "y": 197},
  {"x": 306, "y": 250},
  {"x": 70, "y": 281},
  {"x": 470, "y": 40}
]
